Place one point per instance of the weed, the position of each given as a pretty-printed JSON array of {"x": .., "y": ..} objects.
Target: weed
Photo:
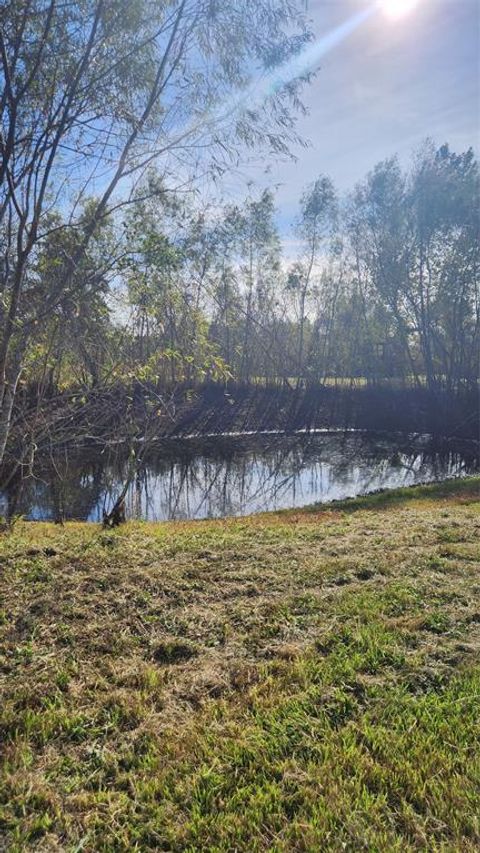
[{"x": 172, "y": 652}]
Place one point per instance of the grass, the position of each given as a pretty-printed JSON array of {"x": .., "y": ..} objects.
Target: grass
[{"x": 297, "y": 681}]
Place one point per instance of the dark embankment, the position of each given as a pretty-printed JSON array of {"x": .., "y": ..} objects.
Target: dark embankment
[
  {"x": 366, "y": 407},
  {"x": 114, "y": 414}
]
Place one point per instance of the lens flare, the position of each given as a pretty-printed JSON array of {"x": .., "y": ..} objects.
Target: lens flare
[
  {"x": 308, "y": 60},
  {"x": 395, "y": 9}
]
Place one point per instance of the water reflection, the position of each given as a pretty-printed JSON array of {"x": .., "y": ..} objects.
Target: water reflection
[{"x": 219, "y": 477}]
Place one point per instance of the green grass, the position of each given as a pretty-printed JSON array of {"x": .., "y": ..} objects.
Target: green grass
[
  {"x": 297, "y": 681},
  {"x": 469, "y": 488}
]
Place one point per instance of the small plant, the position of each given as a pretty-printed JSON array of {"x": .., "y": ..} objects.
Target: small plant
[{"x": 173, "y": 651}]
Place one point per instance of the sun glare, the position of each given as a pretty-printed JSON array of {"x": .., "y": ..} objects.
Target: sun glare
[{"x": 395, "y": 9}]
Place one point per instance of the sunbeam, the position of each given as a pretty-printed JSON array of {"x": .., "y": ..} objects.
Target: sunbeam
[
  {"x": 262, "y": 88},
  {"x": 304, "y": 63}
]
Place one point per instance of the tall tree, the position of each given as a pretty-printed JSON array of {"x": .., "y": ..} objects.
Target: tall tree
[
  {"x": 256, "y": 246},
  {"x": 317, "y": 216},
  {"x": 444, "y": 282},
  {"x": 94, "y": 91},
  {"x": 415, "y": 235}
]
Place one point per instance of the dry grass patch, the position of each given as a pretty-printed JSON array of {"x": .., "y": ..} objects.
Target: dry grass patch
[{"x": 295, "y": 681}]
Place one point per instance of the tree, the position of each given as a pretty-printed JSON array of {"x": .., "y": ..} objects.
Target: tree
[
  {"x": 95, "y": 91},
  {"x": 257, "y": 246},
  {"x": 443, "y": 293},
  {"x": 317, "y": 216},
  {"x": 414, "y": 237},
  {"x": 165, "y": 272}
]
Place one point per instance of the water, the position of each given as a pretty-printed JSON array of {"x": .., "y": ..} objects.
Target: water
[{"x": 236, "y": 476}]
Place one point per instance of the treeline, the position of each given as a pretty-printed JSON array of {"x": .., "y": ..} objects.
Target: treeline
[
  {"x": 384, "y": 285},
  {"x": 383, "y": 291}
]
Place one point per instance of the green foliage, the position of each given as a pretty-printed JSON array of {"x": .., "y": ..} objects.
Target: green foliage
[
  {"x": 93, "y": 94},
  {"x": 413, "y": 234}
]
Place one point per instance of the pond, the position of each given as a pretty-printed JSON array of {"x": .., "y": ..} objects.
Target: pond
[{"x": 236, "y": 475}]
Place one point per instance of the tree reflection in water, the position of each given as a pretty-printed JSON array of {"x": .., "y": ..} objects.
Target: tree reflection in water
[{"x": 236, "y": 476}]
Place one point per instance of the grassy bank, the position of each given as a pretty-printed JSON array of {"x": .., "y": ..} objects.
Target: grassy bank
[{"x": 295, "y": 681}]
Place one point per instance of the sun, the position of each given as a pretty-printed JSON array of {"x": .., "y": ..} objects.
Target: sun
[{"x": 395, "y": 9}]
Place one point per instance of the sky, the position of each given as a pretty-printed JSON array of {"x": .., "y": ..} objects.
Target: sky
[{"x": 387, "y": 86}]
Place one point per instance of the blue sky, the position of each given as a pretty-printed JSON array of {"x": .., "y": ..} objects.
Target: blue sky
[{"x": 384, "y": 89}]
